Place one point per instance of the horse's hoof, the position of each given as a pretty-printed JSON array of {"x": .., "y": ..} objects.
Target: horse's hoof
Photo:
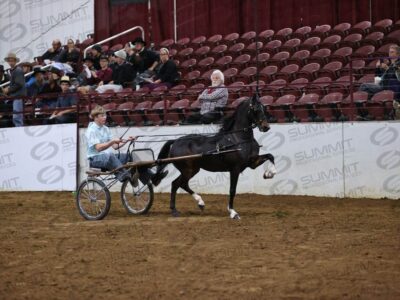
[
  {"x": 175, "y": 213},
  {"x": 202, "y": 207},
  {"x": 236, "y": 217}
]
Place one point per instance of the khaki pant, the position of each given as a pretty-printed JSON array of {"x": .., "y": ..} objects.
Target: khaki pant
[{"x": 396, "y": 107}]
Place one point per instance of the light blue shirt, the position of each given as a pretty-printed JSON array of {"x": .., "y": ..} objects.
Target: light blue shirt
[{"x": 97, "y": 135}]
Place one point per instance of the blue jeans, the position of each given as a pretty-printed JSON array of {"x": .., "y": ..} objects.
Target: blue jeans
[
  {"x": 371, "y": 89},
  {"x": 18, "y": 117},
  {"x": 110, "y": 161}
]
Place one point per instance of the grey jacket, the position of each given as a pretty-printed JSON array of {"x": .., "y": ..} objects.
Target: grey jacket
[{"x": 17, "y": 83}]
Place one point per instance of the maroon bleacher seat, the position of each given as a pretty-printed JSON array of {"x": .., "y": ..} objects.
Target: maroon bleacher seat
[
  {"x": 223, "y": 62},
  {"x": 361, "y": 27},
  {"x": 266, "y": 35},
  {"x": 393, "y": 37},
  {"x": 241, "y": 61},
  {"x": 304, "y": 108},
  {"x": 248, "y": 37},
  {"x": 187, "y": 66},
  {"x": 296, "y": 87},
  {"x": 231, "y": 38},
  {"x": 251, "y": 48},
  {"x": 175, "y": 93},
  {"x": 214, "y": 40},
  {"x": 182, "y": 43},
  {"x": 375, "y": 39},
  {"x": 121, "y": 115},
  {"x": 364, "y": 51},
  {"x": 288, "y": 72},
  {"x": 357, "y": 67},
  {"x": 205, "y": 78},
  {"x": 138, "y": 115},
  {"x": 279, "y": 59},
  {"x": 247, "y": 75},
  {"x": 274, "y": 88},
  {"x": 155, "y": 115},
  {"x": 268, "y": 73},
  {"x": 319, "y": 86},
  {"x": 320, "y": 56},
  {"x": 311, "y": 44},
  {"x": 331, "y": 70},
  {"x": 341, "y": 29},
  {"x": 198, "y": 41},
  {"x": 116, "y": 47},
  {"x": 235, "y": 89},
  {"x": 321, "y": 31},
  {"x": 331, "y": 42},
  {"x": 193, "y": 92},
  {"x": 230, "y": 75},
  {"x": 185, "y": 53},
  {"x": 383, "y": 50},
  {"x": 381, "y": 105},
  {"x": 167, "y": 43},
  {"x": 302, "y": 33},
  {"x": 352, "y": 40},
  {"x": 177, "y": 111},
  {"x": 201, "y": 52},
  {"x": 342, "y": 85},
  {"x": 190, "y": 78},
  {"x": 272, "y": 47},
  {"x": 282, "y": 108},
  {"x": 262, "y": 59},
  {"x": 300, "y": 58},
  {"x": 383, "y": 25},
  {"x": 327, "y": 107},
  {"x": 205, "y": 63},
  {"x": 218, "y": 51},
  {"x": 291, "y": 45},
  {"x": 283, "y": 34},
  {"x": 342, "y": 54},
  {"x": 236, "y": 49},
  {"x": 309, "y": 71}
]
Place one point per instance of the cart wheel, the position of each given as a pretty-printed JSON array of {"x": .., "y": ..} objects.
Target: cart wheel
[
  {"x": 137, "y": 200},
  {"x": 93, "y": 199}
]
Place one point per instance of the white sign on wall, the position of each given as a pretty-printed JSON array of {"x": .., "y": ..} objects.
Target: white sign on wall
[
  {"x": 38, "y": 158},
  {"x": 28, "y": 27}
]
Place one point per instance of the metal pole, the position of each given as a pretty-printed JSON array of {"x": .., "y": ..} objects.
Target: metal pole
[
  {"x": 149, "y": 20},
  {"x": 255, "y": 9},
  {"x": 370, "y": 11},
  {"x": 175, "y": 26}
]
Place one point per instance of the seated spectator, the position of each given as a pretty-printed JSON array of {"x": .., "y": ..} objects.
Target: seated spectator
[
  {"x": 65, "y": 106},
  {"x": 50, "y": 90},
  {"x": 96, "y": 53},
  {"x": 35, "y": 85},
  {"x": 3, "y": 76},
  {"x": 166, "y": 72},
  {"x": 54, "y": 53},
  {"x": 85, "y": 78},
  {"x": 212, "y": 100},
  {"x": 122, "y": 75},
  {"x": 144, "y": 61},
  {"x": 101, "y": 77},
  {"x": 26, "y": 68},
  {"x": 70, "y": 55},
  {"x": 389, "y": 72}
]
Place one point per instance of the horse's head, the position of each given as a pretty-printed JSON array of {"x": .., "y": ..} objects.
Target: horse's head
[{"x": 257, "y": 114}]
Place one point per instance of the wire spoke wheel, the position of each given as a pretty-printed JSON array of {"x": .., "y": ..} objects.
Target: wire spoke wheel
[
  {"x": 137, "y": 200},
  {"x": 93, "y": 199}
]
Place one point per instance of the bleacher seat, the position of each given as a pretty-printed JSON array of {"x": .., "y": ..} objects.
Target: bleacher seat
[
  {"x": 375, "y": 39},
  {"x": 167, "y": 43},
  {"x": 182, "y": 43},
  {"x": 383, "y": 25},
  {"x": 262, "y": 59},
  {"x": 309, "y": 71},
  {"x": 341, "y": 29},
  {"x": 361, "y": 27},
  {"x": 342, "y": 54},
  {"x": 311, "y": 44},
  {"x": 230, "y": 74},
  {"x": 198, "y": 41},
  {"x": 252, "y": 48},
  {"x": 266, "y": 35},
  {"x": 296, "y": 87},
  {"x": 393, "y": 37},
  {"x": 320, "y": 56},
  {"x": 321, "y": 31},
  {"x": 272, "y": 47},
  {"x": 121, "y": 115},
  {"x": 218, "y": 51},
  {"x": 155, "y": 115},
  {"x": 247, "y": 74},
  {"x": 279, "y": 59},
  {"x": 300, "y": 58},
  {"x": 352, "y": 40},
  {"x": 288, "y": 72},
  {"x": 177, "y": 111},
  {"x": 291, "y": 45},
  {"x": 302, "y": 33},
  {"x": 214, "y": 40},
  {"x": 187, "y": 66},
  {"x": 241, "y": 61},
  {"x": 235, "y": 50},
  {"x": 283, "y": 34},
  {"x": 190, "y": 78},
  {"x": 248, "y": 37},
  {"x": 364, "y": 51},
  {"x": 175, "y": 93},
  {"x": 185, "y": 53},
  {"x": 274, "y": 88},
  {"x": 304, "y": 108},
  {"x": 331, "y": 70},
  {"x": 319, "y": 86},
  {"x": 331, "y": 42},
  {"x": 223, "y": 62},
  {"x": 231, "y": 38},
  {"x": 201, "y": 52},
  {"x": 205, "y": 63}
]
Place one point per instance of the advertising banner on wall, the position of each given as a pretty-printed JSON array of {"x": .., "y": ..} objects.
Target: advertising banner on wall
[
  {"x": 28, "y": 27},
  {"x": 38, "y": 158}
]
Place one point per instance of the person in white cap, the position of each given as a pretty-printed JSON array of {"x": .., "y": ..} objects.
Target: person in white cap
[
  {"x": 123, "y": 74},
  {"x": 16, "y": 89}
]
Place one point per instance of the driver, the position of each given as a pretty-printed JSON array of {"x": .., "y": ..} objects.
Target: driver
[{"x": 100, "y": 149}]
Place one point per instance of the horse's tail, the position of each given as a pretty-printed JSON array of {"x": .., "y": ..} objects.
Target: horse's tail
[{"x": 164, "y": 152}]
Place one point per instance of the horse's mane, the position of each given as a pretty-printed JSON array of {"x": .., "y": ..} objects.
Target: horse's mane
[{"x": 228, "y": 122}]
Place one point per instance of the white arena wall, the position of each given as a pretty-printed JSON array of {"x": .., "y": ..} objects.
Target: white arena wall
[{"x": 360, "y": 159}]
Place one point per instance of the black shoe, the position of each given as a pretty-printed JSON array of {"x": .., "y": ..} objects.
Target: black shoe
[
  {"x": 158, "y": 177},
  {"x": 123, "y": 176}
]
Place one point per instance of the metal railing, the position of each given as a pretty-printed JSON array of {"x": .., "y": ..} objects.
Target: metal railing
[{"x": 114, "y": 37}]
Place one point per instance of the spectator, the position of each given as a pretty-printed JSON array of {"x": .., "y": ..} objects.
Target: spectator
[
  {"x": 101, "y": 77},
  {"x": 122, "y": 75},
  {"x": 71, "y": 55},
  {"x": 166, "y": 72},
  {"x": 16, "y": 89},
  {"x": 96, "y": 53},
  {"x": 86, "y": 78},
  {"x": 3, "y": 76},
  {"x": 35, "y": 85},
  {"x": 212, "y": 100},
  {"x": 101, "y": 155},
  {"x": 26, "y": 68},
  {"x": 389, "y": 72},
  {"x": 66, "y": 105},
  {"x": 54, "y": 53},
  {"x": 112, "y": 62},
  {"x": 50, "y": 90},
  {"x": 143, "y": 60}
]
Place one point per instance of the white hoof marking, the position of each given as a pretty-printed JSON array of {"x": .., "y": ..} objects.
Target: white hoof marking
[
  {"x": 270, "y": 172},
  {"x": 199, "y": 200},
  {"x": 233, "y": 214}
]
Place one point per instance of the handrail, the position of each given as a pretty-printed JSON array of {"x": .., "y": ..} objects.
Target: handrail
[
  {"x": 26, "y": 75},
  {"x": 114, "y": 37}
]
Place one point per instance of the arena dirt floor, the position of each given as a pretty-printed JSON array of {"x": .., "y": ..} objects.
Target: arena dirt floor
[{"x": 282, "y": 248}]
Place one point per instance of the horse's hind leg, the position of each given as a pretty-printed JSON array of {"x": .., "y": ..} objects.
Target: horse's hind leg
[
  {"x": 196, "y": 197},
  {"x": 234, "y": 176},
  {"x": 174, "y": 188}
]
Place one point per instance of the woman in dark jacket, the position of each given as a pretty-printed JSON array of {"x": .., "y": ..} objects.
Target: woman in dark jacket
[
  {"x": 71, "y": 55},
  {"x": 167, "y": 72}
]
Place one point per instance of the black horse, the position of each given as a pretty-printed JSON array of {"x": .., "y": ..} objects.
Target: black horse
[{"x": 232, "y": 150}]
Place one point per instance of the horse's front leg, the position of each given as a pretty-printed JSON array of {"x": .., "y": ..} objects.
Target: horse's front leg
[
  {"x": 232, "y": 192},
  {"x": 259, "y": 160}
]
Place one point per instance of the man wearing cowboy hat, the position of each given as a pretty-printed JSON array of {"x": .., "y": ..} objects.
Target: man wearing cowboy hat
[
  {"x": 16, "y": 88},
  {"x": 144, "y": 61},
  {"x": 36, "y": 83},
  {"x": 66, "y": 105}
]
